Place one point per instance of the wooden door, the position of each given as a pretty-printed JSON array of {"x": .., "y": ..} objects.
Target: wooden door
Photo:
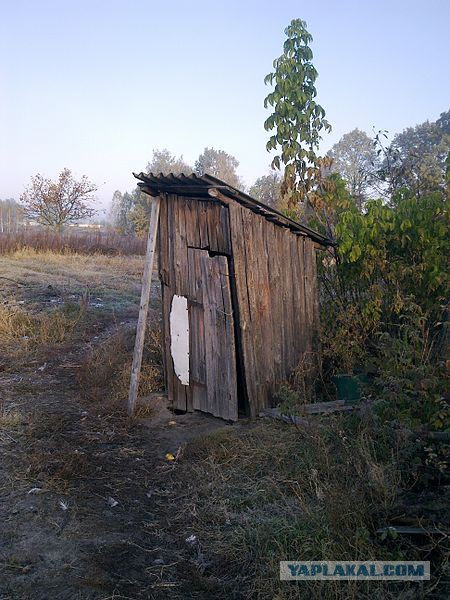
[{"x": 212, "y": 354}]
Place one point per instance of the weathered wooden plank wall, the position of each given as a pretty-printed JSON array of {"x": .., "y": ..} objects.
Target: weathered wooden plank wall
[{"x": 274, "y": 274}]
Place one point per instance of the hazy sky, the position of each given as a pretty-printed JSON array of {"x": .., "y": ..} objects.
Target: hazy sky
[{"x": 96, "y": 85}]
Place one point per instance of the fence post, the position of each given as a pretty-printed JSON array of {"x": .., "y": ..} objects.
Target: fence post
[{"x": 143, "y": 308}]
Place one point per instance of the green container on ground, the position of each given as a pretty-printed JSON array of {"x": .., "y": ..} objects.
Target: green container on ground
[{"x": 348, "y": 388}]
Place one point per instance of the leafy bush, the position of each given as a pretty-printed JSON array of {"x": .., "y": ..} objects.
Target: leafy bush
[
  {"x": 383, "y": 294},
  {"x": 411, "y": 381}
]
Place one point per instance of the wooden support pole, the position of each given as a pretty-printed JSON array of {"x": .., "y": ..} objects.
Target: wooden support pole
[{"x": 143, "y": 309}]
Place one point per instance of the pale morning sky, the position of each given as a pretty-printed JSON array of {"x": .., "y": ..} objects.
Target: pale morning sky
[{"x": 96, "y": 85}]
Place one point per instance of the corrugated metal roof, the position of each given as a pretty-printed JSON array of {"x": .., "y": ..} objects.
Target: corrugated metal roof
[{"x": 200, "y": 186}]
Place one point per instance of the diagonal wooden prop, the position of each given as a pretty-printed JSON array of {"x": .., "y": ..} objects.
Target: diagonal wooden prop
[{"x": 143, "y": 309}]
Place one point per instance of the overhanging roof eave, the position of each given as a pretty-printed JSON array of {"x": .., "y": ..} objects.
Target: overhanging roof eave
[{"x": 199, "y": 186}]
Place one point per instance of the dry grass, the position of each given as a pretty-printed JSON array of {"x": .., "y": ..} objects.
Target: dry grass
[
  {"x": 82, "y": 242},
  {"x": 91, "y": 268},
  {"x": 57, "y": 469},
  {"x": 10, "y": 417},
  {"x": 45, "y": 280},
  {"x": 22, "y": 331},
  {"x": 104, "y": 376},
  {"x": 275, "y": 493}
]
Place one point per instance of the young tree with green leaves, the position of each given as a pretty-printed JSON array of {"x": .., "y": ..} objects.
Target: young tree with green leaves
[{"x": 297, "y": 119}]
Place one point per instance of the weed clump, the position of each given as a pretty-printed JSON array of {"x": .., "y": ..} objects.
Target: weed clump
[
  {"x": 22, "y": 331},
  {"x": 104, "y": 376}
]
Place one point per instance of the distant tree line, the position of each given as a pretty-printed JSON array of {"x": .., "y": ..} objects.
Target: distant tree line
[
  {"x": 129, "y": 210},
  {"x": 11, "y": 216},
  {"x": 416, "y": 159}
]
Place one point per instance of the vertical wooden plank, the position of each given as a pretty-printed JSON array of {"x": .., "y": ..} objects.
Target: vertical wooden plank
[
  {"x": 300, "y": 297},
  {"x": 168, "y": 363},
  {"x": 170, "y": 203},
  {"x": 214, "y": 226},
  {"x": 166, "y": 221},
  {"x": 238, "y": 249},
  {"x": 254, "y": 331},
  {"x": 211, "y": 341},
  {"x": 163, "y": 244},
  {"x": 201, "y": 326},
  {"x": 296, "y": 285},
  {"x": 193, "y": 321},
  {"x": 265, "y": 360},
  {"x": 189, "y": 235},
  {"x": 197, "y": 334},
  {"x": 287, "y": 295},
  {"x": 218, "y": 227},
  {"x": 180, "y": 246},
  {"x": 280, "y": 293},
  {"x": 228, "y": 381},
  {"x": 309, "y": 299},
  {"x": 191, "y": 219},
  {"x": 143, "y": 308},
  {"x": 276, "y": 318},
  {"x": 163, "y": 262},
  {"x": 177, "y": 261},
  {"x": 219, "y": 339},
  {"x": 224, "y": 237},
  {"x": 182, "y": 393},
  {"x": 202, "y": 214}
]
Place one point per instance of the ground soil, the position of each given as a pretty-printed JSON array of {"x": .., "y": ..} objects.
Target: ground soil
[{"x": 87, "y": 495}]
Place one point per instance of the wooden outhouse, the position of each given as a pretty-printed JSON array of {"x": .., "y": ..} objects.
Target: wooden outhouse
[{"x": 239, "y": 294}]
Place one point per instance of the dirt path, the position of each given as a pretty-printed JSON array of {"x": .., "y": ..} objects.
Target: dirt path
[
  {"x": 84, "y": 496},
  {"x": 87, "y": 496}
]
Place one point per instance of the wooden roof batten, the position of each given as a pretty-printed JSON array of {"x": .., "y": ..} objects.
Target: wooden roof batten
[{"x": 209, "y": 187}]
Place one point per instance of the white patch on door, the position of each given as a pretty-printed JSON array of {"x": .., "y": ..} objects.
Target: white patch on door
[{"x": 179, "y": 338}]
